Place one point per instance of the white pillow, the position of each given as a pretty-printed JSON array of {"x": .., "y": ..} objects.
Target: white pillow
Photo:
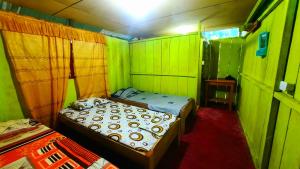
[{"x": 88, "y": 103}]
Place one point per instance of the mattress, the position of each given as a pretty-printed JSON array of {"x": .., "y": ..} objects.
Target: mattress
[
  {"x": 155, "y": 101},
  {"x": 132, "y": 126},
  {"x": 27, "y": 144}
]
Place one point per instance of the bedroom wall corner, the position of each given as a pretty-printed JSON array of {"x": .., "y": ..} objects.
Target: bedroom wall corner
[
  {"x": 118, "y": 63},
  {"x": 10, "y": 107}
]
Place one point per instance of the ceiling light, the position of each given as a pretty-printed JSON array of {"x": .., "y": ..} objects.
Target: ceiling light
[
  {"x": 185, "y": 29},
  {"x": 137, "y": 8}
]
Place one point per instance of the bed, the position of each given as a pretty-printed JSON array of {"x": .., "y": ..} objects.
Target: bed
[
  {"x": 177, "y": 105},
  {"x": 138, "y": 134},
  {"x": 28, "y": 144}
]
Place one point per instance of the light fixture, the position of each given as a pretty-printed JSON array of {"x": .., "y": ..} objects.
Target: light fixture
[
  {"x": 185, "y": 29},
  {"x": 137, "y": 8}
]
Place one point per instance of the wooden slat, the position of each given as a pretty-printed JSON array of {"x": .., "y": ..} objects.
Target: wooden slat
[
  {"x": 279, "y": 136},
  {"x": 166, "y": 65},
  {"x": 258, "y": 108}
]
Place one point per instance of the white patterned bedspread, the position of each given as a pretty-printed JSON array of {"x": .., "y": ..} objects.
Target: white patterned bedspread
[{"x": 133, "y": 126}]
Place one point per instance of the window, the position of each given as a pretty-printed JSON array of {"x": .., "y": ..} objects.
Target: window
[{"x": 221, "y": 34}]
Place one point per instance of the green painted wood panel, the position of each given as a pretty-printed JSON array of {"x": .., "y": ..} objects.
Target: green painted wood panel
[
  {"x": 157, "y": 57},
  {"x": 195, "y": 55},
  {"x": 181, "y": 86},
  {"x": 171, "y": 56},
  {"x": 10, "y": 107},
  {"x": 286, "y": 149},
  {"x": 229, "y": 57},
  {"x": 167, "y": 65},
  {"x": 279, "y": 136},
  {"x": 174, "y": 56},
  {"x": 118, "y": 63},
  {"x": 149, "y": 58},
  {"x": 258, "y": 81},
  {"x": 225, "y": 57},
  {"x": 297, "y": 90},
  {"x": 292, "y": 74},
  {"x": 165, "y": 56},
  {"x": 133, "y": 56},
  {"x": 291, "y": 153},
  {"x": 264, "y": 70},
  {"x": 71, "y": 94},
  {"x": 254, "y": 113}
]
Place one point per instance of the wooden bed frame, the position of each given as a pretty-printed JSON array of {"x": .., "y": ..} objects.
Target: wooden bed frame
[
  {"x": 147, "y": 159},
  {"x": 189, "y": 108}
]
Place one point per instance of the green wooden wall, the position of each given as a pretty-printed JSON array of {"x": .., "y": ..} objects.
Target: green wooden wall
[
  {"x": 10, "y": 108},
  {"x": 258, "y": 83},
  {"x": 229, "y": 54},
  {"x": 286, "y": 149},
  {"x": 222, "y": 57},
  {"x": 167, "y": 65},
  {"x": 71, "y": 94},
  {"x": 118, "y": 64}
]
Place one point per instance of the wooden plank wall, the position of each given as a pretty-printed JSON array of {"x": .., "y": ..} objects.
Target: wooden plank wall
[
  {"x": 286, "y": 149},
  {"x": 258, "y": 84},
  {"x": 167, "y": 65},
  {"x": 118, "y": 63}
]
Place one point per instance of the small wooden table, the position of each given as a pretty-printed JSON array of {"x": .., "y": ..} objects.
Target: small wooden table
[{"x": 228, "y": 84}]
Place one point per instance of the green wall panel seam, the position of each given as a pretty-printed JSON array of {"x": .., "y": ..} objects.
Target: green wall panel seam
[
  {"x": 287, "y": 38},
  {"x": 161, "y": 38},
  {"x": 265, "y": 14},
  {"x": 286, "y": 133},
  {"x": 288, "y": 100},
  {"x": 258, "y": 83},
  {"x": 269, "y": 10},
  {"x": 137, "y": 74},
  {"x": 252, "y": 150}
]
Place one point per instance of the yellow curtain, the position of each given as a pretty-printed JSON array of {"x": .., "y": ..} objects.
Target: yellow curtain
[
  {"x": 24, "y": 24},
  {"x": 41, "y": 65},
  {"x": 90, "y": 68}
]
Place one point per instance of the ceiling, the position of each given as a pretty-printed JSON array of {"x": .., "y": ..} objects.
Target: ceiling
[{"x": 162, "y": 20}]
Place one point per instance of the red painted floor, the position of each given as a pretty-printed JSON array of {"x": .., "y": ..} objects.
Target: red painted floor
[{"x": 216, "y": 141}]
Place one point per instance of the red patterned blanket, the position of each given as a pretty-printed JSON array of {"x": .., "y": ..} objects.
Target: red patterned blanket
[{"x": 41, "y": 147}]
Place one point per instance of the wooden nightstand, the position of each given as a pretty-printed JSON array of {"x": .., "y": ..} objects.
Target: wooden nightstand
[{"x": 229, "y": 85}]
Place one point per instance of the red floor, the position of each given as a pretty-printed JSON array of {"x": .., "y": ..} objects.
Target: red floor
[{"x": 216, "y": 141}]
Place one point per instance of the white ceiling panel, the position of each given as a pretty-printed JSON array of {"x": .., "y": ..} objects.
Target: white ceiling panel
[{"x": 106, "y": 14}]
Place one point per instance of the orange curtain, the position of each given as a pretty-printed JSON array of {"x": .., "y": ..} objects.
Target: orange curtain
[
  {"x": 41, "y": 67},
  {"x": 90, "y": 69},
  {"x": 24, "y": 24}
]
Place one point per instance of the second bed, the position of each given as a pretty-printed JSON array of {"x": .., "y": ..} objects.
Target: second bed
[
  {"x": 137, "y": 133},
  {"x": 179, "y": 106}
]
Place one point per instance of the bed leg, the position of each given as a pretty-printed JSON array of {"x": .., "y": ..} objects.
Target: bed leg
[
  {"x": 182, "y": 126},
  {"x": 177, "y": 140},
  {"x": 150, "y": 164},
  {"x": 178, "y": 137}
]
